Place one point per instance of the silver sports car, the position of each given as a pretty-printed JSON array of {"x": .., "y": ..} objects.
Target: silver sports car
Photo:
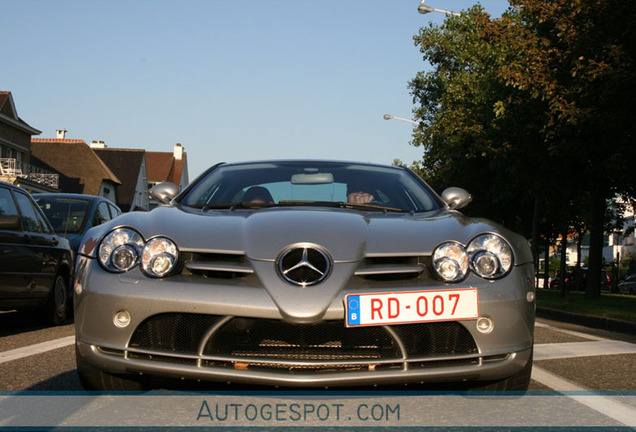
[{"x": 305, "y": 273}]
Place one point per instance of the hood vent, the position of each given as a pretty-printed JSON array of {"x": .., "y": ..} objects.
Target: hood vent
[
  {"x": 393, "y": 267},
  {"x": 219, "y": 265}
]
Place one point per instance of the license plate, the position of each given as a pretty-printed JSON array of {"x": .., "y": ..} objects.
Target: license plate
[{"x": 411, "y": 307}]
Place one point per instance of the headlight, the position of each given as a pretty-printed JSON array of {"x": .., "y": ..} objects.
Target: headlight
[
  {"x": 490, "y": 256},
  {"x": 122, "y": 249},
  {"x": 450, "y": 261},
  {"x": 119, "y": 250},
  {"x": 158, "y": 257}
]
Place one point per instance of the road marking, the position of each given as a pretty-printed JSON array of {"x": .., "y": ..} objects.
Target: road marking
[
  {"x": 39, "y": 348},
  {"x": 570, "y": 332},
  {"x": 582, "y": 349},
  {"x": 605, "y": 405}
]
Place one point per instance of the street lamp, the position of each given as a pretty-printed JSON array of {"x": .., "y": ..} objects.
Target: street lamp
[
  {"x": 423, "y": 9},
  {"x": 389, "y": 117}
]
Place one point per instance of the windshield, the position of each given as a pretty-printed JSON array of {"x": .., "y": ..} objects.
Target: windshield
[
  {"x": 66, "y": 215},
  {"x": 311, "y": 183}
]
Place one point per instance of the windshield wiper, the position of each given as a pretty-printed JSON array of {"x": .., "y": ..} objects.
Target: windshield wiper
[
  {"x": 341, "y": 204},
  {"x": 292, "y": 203},
  {"x": 230, "y": 205}
]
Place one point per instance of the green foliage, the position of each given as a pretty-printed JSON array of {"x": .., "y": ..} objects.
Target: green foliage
[{"x": 532, "y": 110}]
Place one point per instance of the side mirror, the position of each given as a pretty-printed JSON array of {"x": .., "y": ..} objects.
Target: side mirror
[
  {"x": 456, "y": 198},
  {"x": 163, "y": 192}
]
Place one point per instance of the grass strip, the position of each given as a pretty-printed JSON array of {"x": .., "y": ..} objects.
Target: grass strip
[{"x": 617, "y": 306}]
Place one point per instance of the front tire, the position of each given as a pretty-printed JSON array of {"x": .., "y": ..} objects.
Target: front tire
[{"x": 93, "y": 378}]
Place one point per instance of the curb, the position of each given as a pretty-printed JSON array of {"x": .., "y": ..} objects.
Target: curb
[{"x": 619, "y": 326}]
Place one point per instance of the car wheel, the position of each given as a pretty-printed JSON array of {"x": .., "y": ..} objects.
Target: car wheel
[
  {"x": 56, "y": 308},
  {"x": 92, "y": 378},
  {"x": 519, "y": 381}
]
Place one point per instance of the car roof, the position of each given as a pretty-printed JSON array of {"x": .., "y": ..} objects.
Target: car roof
[
  {"x": 72, "y": 195},
  {"x": 308, "y": 161},
  {"x": 12, "y": 186}
]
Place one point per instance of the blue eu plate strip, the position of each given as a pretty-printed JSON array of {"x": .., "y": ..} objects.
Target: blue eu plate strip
[{"x": 353, "y": 310}]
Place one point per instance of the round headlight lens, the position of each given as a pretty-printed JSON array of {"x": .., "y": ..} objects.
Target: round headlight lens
[
  {"x": 450, "y": 261},
  {"x": 158, "y": 257},
  {"x": 490, "y": 256},
  {"x": 119, "y": 250}
]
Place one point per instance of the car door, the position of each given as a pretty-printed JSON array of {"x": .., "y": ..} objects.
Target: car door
[
  {"x": 43, "y": 245},
  {"x": 16, "y": 257}
]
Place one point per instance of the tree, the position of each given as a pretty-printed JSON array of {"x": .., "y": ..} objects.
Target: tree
[
  {"x": 475, "y": 132},
  {"x": 545, "y": 95},
  {"x": 583, "y": 67}
]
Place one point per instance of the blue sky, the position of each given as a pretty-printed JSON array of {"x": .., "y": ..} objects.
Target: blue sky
[{"x": 229, "y": 79}]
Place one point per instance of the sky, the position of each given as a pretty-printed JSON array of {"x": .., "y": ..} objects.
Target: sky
[{"x": 230, "y": 80}]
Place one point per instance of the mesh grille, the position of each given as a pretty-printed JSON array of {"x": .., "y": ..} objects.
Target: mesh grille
[
  {"x": 327, "y": 341},
  {"x": 251, "y": 340},
  {"x": 173, "y": 332}
]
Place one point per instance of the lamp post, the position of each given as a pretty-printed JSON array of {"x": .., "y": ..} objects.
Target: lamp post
[
  {"x": 423, "y": 9},
  {"x": 389, "y": 117}
]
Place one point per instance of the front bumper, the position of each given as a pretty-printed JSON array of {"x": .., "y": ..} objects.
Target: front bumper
[{"x": 234, "y": 332}]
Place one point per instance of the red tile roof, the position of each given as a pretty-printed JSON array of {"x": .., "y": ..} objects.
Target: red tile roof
[
  {"x": 162, "y": 166},
  {"x": 76, "y": 161}
]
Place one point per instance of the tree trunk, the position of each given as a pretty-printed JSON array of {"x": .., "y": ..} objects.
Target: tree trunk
[
  {"x": 546, "y": 273},
  {"x": 562, "y": 269},
  {"x": 597, "y": 224}
]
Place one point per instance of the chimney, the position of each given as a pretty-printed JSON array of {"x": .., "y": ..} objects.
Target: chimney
[
  {"x": 60, "y": 133},
  {"x": 178, "y": 151},
  {"x": 98, "y": 144}
]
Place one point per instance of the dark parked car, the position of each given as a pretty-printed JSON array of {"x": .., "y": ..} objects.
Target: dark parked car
[
  {"x": 36, "y": 263},
  {"x": 576, "y": 280},
  {"x": 71, "y": 215},
  {"x": 628, "y": 286},
  {"x": 305, "y": 273}
]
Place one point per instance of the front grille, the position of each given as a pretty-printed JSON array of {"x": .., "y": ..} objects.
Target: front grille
[
  {"x": 248, "y": 343},
  {"x": 265, "y": 340}
]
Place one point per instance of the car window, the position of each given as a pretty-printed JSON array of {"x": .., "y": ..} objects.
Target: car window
[
  {"x": 315, "y": 182},
  {"x": 43, "y": 222},
  {"x": 30, "y": 221},
  {"x": 101, "y": 214},
  {"x": 114, "y": 211},
  {"x": 66, "y": 215},
  {"x": 8, "y": 212}
]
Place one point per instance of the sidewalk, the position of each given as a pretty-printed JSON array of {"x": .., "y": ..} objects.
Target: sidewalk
[{"x": 602, "y": 323}]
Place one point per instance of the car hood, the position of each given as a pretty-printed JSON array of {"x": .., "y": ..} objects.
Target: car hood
[{"x": 347, "y": 235}]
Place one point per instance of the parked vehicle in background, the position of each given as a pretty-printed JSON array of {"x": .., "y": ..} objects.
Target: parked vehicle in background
[
  {"x": 71, "y": 215},
  {"x": 36, "y": 263},
  {"x": 628, "y": 286},
  {"x": 577, "y": 279}
]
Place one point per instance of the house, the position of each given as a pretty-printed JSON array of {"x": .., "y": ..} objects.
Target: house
[
  {"x": 129, "y": 165},
  {"x": 81, "y": 170},
  {"x": 15, "y": 151},
  {"x": 167, "y": 167}
]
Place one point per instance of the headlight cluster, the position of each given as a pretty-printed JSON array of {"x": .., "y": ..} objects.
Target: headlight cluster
[
  {"x": 123, "y": 248},
  {"x": 488, "y": 255}
]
